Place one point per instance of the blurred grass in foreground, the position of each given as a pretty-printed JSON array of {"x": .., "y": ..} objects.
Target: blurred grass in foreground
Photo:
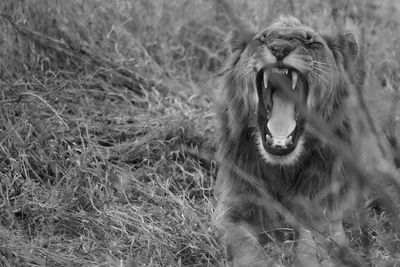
[{"x": 101, "y": 124}]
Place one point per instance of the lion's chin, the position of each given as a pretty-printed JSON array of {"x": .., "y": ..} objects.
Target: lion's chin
[{"x": 284, "y": 160}]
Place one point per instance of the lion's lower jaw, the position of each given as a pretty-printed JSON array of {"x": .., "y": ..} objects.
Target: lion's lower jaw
[{"x": 289, "y": 159}]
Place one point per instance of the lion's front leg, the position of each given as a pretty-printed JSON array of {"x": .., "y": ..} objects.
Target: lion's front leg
[
  {"x": 337, "y": 234},
  {"x": 243, "y": 237},
  {"x": 317, "y": 250},
  {"x": 309, "y": 251},
  {"x": 244, "y": 249}
]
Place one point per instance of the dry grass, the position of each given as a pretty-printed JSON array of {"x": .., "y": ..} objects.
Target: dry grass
[{"x": 100, "y": 127}]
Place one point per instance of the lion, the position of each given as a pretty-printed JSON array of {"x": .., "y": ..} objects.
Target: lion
[{"x": 275, "y": 173}]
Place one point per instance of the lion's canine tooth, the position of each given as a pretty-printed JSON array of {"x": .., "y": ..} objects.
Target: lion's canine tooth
[
  {"x": 265, "y": 79},
  {"x": 289, "y": 141},
  {"x": 295, "y": 77},
  {"x": 270, "y": 139}
]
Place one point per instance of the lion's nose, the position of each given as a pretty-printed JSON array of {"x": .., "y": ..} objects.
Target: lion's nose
[{"x": 280, "y": 48}]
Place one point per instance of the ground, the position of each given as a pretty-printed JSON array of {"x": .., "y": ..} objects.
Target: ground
[{"x": 108, "y": 133}]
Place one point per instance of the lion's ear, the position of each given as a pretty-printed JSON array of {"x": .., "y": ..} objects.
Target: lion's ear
[
  {"x": 238, "y": 39},
  {"x": 348, "y": 45},
  {"x": 344, "y": 47}
]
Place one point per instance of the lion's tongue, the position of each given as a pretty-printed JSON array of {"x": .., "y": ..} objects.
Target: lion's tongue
[{"x": 282, "y": 121}]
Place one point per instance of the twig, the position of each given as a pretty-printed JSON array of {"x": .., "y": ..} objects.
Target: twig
[
  {"x": 292, "y": 7},
  {"x": 48, "y": 105}
]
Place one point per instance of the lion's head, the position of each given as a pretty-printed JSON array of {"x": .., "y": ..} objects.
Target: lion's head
[{"x": 272, "y": 75}]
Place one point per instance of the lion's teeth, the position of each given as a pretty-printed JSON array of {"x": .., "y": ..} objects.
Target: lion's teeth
[
  {"x": 265, "y": 78},
  {"x": 295, "y": 77},
  {"x": 280, "y": 71}
]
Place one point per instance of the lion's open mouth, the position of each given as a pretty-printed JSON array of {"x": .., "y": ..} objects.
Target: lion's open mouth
[{"x": 280, "y": 91}]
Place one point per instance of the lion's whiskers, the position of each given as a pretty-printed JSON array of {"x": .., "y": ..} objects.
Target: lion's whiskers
[
  {"x": 325, "y": 68},
  {"x": 321, "y": 77},
  {"x": 322, "y": 71},
  {"x": 324, "y": 63},
  {"x": 299, "y": 63}
]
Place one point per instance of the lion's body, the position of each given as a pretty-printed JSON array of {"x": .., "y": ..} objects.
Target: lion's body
[{"x": 261, "y": 183}]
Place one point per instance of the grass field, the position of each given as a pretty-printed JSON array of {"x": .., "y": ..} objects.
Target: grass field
[{"x": 108, "y": 133}]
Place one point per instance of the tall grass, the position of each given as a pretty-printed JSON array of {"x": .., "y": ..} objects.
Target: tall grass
[{"x": 104, "y": 107}]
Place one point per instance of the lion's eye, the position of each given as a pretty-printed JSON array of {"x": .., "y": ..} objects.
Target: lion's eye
[
  {"x": 312, "y": 41},
  {"x": 263, "y": 37},
  {"x": 314, "y": 45}
]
